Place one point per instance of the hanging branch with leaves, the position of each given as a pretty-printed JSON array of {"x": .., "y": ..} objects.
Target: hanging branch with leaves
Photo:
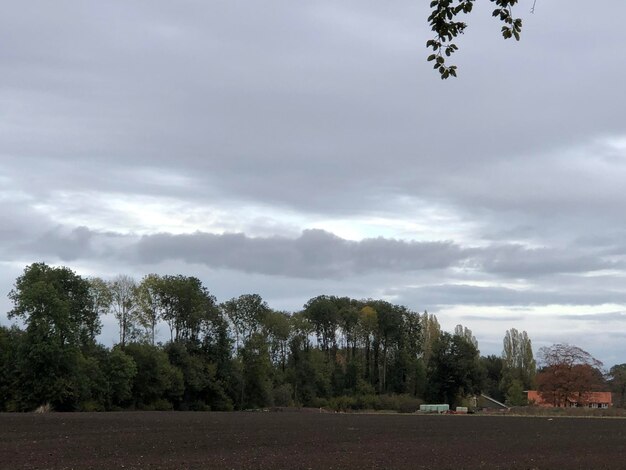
[{"x": 443, "y": 21}]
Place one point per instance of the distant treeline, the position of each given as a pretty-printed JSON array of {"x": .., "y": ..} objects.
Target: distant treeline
[{"x": 240, "y": 354}]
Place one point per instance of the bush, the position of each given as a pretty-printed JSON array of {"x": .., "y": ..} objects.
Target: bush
[
  {"x": 320, "y": 403},
  {"x": 343, "y": 403},
  {"x": 346, "y": 403},
  {"x": 367, "y": 402},
  {"x": 408, "y": 404},
  {"x": 91, "y": 405},
  {"x": 282, "y": 395},
  {"x": 199, "y": 406},
  {"x": 162, "y": 405},
  {"x": 388, "y": 402}
]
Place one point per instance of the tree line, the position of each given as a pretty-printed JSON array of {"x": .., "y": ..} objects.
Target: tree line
[{"x": 336, "y": 352}]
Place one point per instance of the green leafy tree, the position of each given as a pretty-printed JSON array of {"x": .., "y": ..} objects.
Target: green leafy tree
[
  {"x": 100, "y": 296},
  {"x": 349, "y": 322},
  {"x": 430, "y": 334},
  {"x": 453, "y": 370},
  {"x": 123, "y": 290},
  {"x": 277, "y": 330},
  {"x": 197, "y": 374},
  {"x": 492, "y": 366},
  {"x": 407, "y": 374},
  {"x": 257, "y": 367},
  {"x": 388, "y": 334},
  {"x": 515, "y": 395},
  {"x": 300, "y": 372},
  {"x": 10, "y": 344},
  {"x": 120, "y": 370},
  {"x": 55, "y": 305},
  {"x": 518, "y": 362},
  {"x": 617, "y": 379},
  {"x": 149, "y": 304},
  {"x": 366, "y": 330},
  {"x": 465, "y": 333},
  {"x": 215, "y": 350},
  {"x": 157, "y": 383},
  {"x": 187, "y": 307},
  {"x": 323, "y": 314},
  {"x": 247, "y": 315}
]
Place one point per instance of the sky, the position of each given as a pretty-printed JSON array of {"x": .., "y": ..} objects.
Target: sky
[{"x": 294, "y": 149}]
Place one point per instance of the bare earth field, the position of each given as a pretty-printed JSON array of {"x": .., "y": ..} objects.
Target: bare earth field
[{"x": 177, "y": 440}]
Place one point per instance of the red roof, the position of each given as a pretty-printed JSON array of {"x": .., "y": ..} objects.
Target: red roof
[{"x": 586, "y": 398}]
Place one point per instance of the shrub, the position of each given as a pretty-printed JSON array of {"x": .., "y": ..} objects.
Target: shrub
[
  {"x": 162, "y": 405},
  {"x": 91, "y": 405},
  {"x": 282, "y": 395},
  {"x": 408, "y": 404},
  {"x": 45, "y": 408},
  {"x": 367, "y": 402}
]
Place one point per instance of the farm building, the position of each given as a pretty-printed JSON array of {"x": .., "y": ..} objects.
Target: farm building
[
  {"x": 486, "y": 403},
  {"x": 574, "y": 400}
]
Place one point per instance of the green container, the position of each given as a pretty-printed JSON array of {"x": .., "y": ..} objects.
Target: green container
[{"x": 440, "y": 408}]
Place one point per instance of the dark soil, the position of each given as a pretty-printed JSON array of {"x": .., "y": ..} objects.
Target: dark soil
[{"x": 177, "y": 440}]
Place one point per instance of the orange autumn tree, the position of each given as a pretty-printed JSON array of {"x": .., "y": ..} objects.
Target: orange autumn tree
[{"x": 568, "y": 373}]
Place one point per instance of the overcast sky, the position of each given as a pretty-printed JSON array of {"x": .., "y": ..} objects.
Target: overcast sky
[{"x": 301, "y": 148}]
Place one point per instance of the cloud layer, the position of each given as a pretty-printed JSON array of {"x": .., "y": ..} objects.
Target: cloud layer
[{"x": 299, "y": 149}]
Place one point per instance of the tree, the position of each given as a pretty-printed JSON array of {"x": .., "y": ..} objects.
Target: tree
[
  {"x": 124, "y": 304},
  {"x": 257, "y": 383},
  {"x": 388, "y": 333},
  {"x": 246, "y": 314},
  {"x": 409, "y": 373},
  {"x": 492, "y": 366},
  {"x": 100, "y": 296},
  {"x": 518, "y": 360},
  {"x": 348, "y": 322},
  {"x": 198, "y": 375},
  {"x": 453, "y": 369},
  {"x": 55, "y": 305},
  {"x": 515, "y": 394},
  {"x": 10, "y": 343},
  {"x": 568, "y": 373},
  {"x": 186, "y": 306},
  {"x": 120, "y": 370},
  {"x": 157, "y": 384},
  {"x": 430, "y": 334},
  {"x": 617, "y": 376},
  {"x": 466, "y": 333},
  {"x": 444, "y": 23},
  {"x": 366, "y": 328},
  {"x": 55, "y": 302},
  {"x": 323, "y": 314},
  {"x": 149, "y": 304},
  {"x": 277, "y": 329}
]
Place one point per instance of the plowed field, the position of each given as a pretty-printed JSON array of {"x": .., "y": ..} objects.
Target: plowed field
[{"x": 177, "y": 440}]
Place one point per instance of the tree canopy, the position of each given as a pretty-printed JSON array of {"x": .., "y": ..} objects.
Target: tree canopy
[
  {"x": 335, "y": 352},
  {"x": 568, "y": 372}
]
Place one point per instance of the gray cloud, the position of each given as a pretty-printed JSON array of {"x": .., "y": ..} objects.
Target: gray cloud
[
  {"x": 314, "y": 254},
  {"x": 493, "y": 318},
  {"x": 460, "y": 294},
  {"x": 519, "y": 261},
  {"x": 598, "y": 317}
]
